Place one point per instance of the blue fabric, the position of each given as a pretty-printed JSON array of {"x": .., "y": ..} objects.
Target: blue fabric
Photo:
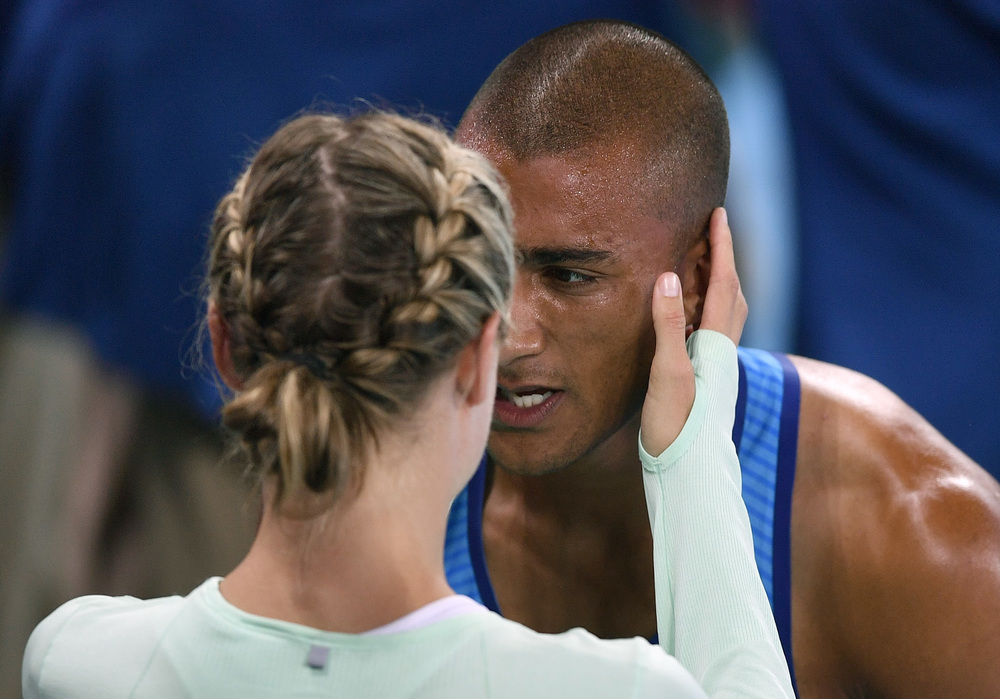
[
  {"x": 458, "y": 549},
  {"x": 758, "y": 450},
  {"x": 766, "y": 434},
  {"x": 123, "y": 122},
  {"x": 781, "y": 559},
  {"x": 894, "y": 108}
]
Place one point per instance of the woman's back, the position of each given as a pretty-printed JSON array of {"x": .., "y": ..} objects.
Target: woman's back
[{"x": 201, "y": 645}]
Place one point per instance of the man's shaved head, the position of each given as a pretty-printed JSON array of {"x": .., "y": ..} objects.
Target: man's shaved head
[{"x": 605, "y": 83}]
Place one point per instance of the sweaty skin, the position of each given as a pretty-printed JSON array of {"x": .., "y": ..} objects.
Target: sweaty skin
[
  {"x": 895, "y": 533},
  {"x": 895, "y": 549}
]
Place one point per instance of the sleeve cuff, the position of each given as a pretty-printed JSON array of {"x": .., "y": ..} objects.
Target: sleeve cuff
[{"x": 710, "y": 351}]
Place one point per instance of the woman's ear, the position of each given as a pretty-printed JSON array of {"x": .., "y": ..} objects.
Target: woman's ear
[
  {"x": 477, "y": 365},
  {"x": 222, "y": 354}
]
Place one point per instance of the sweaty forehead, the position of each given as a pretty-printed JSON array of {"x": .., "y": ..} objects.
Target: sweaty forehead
[{"x": 590, "y": 199}]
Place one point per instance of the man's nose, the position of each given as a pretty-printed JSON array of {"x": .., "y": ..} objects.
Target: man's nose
[{"x": 525, "y": 337}]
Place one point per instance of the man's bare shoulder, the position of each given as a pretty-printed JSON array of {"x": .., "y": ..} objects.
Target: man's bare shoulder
[
  {"x": 895, "y": 547},
  {"x": 855, "y": 435}
]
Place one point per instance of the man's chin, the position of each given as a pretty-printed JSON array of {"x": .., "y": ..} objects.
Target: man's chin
[{"x": 520, "y": 457}]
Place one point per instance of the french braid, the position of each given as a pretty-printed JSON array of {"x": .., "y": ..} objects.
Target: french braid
[{"x": 352, "y": 261}]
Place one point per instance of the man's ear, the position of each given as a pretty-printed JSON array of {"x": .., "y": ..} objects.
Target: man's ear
[
  {"x": 477, "y": 364},
  {"x": 222, "y": 354},
  {"x": 694, "y": 268}
]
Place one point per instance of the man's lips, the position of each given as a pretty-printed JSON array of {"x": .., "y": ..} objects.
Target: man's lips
[{"x": 525, "y": 406}]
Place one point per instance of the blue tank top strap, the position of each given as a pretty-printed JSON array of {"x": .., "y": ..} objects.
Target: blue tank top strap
[
  {"x": 768, "y": 445},
  {"x": 757, "y": 444},
  {"x": 741, "y": 406},
  {"x": 766, "y": 436},
  {"x": 464, "y": 553},
  {"x": 788, "y": 447},
  {"x": 477, "y": 551}
]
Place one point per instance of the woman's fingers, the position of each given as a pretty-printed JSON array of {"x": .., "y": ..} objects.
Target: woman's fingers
[
  {"x": 671, "y": 378},
  {"x": 725, "y": 308}
]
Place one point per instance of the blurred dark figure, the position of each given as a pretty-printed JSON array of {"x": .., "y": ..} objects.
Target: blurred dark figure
[{"x": 895, "y": 111}]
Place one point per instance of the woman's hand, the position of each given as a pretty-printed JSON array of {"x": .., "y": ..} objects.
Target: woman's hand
[{"x": 671, "y": 379}]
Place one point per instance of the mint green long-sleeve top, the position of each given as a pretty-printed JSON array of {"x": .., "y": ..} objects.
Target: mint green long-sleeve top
[{"x": 711, "y": 611}]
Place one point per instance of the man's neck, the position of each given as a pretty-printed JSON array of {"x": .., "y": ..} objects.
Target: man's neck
[
  {"x": 573, "y": 547},
  {"x": 600, "y": 491}
]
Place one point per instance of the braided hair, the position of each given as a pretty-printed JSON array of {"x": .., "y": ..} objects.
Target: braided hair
[{"x": 352, "y": 261}]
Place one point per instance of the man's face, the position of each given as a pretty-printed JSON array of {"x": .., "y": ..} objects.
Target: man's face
[{"x": 574, "y": 368}]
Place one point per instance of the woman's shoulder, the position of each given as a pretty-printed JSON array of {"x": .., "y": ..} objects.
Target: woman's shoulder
[
  {"x": 95, "y": 631},
  {"x": 578, "y": 659}
]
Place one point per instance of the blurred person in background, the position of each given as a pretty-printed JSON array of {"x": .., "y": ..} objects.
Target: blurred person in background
[
  {"x": 895, "y": 114},
  {"x": 724, "y": 36}
]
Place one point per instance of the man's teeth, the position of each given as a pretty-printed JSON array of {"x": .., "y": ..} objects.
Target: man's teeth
[{"x": 529, "y": 400}]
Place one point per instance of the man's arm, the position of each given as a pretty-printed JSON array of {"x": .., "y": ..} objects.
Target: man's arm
[
  {"x": 711, "y": 609},
  {"x": 895, "y": 550}
]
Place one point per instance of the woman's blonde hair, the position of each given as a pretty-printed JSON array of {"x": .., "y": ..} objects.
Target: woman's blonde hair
[{"x": 351, "y": 262}]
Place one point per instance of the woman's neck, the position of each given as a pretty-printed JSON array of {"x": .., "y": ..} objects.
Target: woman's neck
[
  {"x": 375, "y": 554},
  {"x": 365, "y": 561}
]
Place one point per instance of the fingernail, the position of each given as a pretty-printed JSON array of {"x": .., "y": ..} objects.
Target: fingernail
[
  {"x": 669, "y": 285},
  {"x": 725, "y": 216}
]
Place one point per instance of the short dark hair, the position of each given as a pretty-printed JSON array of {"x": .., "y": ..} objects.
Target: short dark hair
[{"x": 605, "y": 83}]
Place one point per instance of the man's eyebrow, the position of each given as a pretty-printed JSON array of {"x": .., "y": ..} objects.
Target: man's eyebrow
[{"x": 543, "y": 257}]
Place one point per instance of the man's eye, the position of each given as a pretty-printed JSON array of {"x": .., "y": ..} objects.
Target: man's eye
[{"x": 569, "y": 276}]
